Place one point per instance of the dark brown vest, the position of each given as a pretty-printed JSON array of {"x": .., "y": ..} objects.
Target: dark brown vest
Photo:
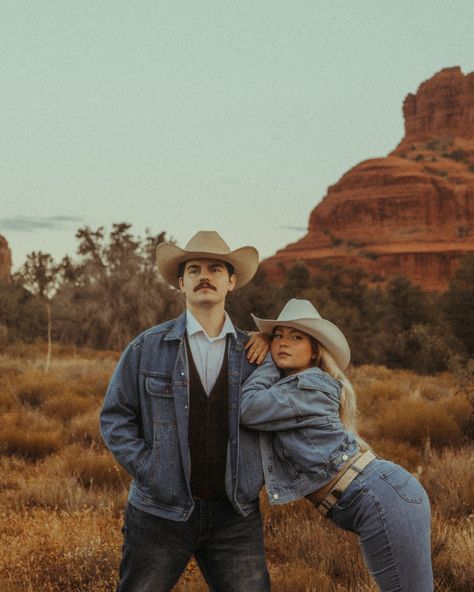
[{"x": 208, "y": 431}]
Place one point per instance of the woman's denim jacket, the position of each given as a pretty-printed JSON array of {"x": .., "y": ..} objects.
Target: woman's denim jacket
[
  {"x": 303, "y": 443},
  {"x": 144, "y": 423}
]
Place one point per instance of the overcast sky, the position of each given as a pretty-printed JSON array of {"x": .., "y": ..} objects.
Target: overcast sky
[{"x": 179, "y": 116}]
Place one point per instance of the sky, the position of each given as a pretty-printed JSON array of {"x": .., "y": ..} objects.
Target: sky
[{"x": 181, "y": 116}]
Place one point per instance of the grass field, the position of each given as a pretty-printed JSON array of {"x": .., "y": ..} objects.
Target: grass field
[{"x": 62, "y": 496}]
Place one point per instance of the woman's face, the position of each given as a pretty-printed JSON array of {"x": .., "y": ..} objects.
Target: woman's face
[{"x": 291, "y": 350}]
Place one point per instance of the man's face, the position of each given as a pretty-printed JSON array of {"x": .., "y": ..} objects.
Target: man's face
[{"x": 205, "y": 282}]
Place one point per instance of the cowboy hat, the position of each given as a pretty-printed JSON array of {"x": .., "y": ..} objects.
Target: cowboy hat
[
  {"x": 206, "y": 244},
  {"x": 301, "y": 315}
]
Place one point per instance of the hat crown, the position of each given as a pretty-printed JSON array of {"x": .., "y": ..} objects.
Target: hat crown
[
  {"x": 296, "y": 309},
  {"x": 209, "y": 241}
]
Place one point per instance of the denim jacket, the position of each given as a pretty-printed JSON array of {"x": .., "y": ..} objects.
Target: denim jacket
[
  {"x": 144, "y": 423},
  {"x": 303, "y": 443}
]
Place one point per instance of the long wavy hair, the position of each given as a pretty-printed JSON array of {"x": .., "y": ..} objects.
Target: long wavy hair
[{"x": 348, "y": 405}]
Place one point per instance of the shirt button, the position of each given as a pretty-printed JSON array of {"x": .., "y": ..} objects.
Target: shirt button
[
  {"x": 275, "y": 496},
  {"x": 182, "y": 373},
  {"x": 345, "y": 457}
]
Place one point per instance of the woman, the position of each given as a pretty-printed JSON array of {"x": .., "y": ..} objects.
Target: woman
[{"x": 309, "y": 447}]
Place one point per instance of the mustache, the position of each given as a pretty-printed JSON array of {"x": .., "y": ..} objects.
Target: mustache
[{"x": 204, "y": 285}]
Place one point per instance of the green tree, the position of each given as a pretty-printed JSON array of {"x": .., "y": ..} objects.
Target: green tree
[
  {"x": 113, "y": 292},
  {"x": 21, "y": 313},
  {"x": 458, "y": 303},
  {"x": 39, "y": 275}
]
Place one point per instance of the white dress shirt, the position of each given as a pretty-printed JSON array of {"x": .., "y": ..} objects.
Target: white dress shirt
[{"x": 208, "y": 352}]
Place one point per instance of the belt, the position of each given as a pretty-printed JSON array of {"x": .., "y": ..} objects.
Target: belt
[{"x": 344, "y": 481}]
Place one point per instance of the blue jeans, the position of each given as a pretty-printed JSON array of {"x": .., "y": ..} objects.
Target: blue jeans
[
  {"x": 389, "y": 510},
  {"x": 228, "y": 548}
]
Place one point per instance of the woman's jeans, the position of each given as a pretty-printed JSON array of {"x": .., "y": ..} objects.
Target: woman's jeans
[
  {"x": 389, "y": 510},
  {"x": 227, "y": 546}
]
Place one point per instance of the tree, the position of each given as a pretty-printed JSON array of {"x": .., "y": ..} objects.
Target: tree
[
  {"x": 21, "y": 312},
  {"x": 458, "y": 303},
  {"x": 113, "y": 292},
  {"x": 39, "y": 276}
]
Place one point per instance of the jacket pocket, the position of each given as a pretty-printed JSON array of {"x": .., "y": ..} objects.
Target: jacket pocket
[
  {"x": 250, "y": 470},
  {"x": 160, "y": 391}
]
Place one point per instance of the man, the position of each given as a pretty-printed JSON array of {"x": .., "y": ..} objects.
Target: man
[{"x": 171, "y": 419}]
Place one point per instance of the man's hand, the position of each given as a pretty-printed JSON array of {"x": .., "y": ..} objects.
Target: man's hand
[{"x": 257, "y": 347}]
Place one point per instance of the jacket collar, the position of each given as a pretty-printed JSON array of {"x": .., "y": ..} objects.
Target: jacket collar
[
  {"x": 314, "y": 378},
  {"x": 178, "y": 331}
]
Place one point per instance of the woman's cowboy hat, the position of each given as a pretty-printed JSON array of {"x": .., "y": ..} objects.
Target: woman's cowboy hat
[
  {"x": 206, "y": 244},
  {"x": 301, "y": 315}
]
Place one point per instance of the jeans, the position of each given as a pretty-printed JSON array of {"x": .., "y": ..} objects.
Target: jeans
[
  {"x": 389, "y": 510},
  {"x": 228, "y": 548}
]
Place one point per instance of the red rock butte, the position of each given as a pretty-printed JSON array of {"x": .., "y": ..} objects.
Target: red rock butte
[
  {"x": 410, "y": 213},
  {"x": 5, "y": 260}
]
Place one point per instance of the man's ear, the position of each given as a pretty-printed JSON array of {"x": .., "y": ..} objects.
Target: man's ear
[
  {"x": 180, "y": 284},
  {"x": 232, "y": 282}
]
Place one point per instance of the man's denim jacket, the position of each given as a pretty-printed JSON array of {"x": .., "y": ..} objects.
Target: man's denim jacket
[
  {"x": 303, "y": 443},
  {"x": 144, "y": 423}
]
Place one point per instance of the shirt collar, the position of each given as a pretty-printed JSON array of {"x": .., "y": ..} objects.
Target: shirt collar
[{"x": 193, "y": 326}]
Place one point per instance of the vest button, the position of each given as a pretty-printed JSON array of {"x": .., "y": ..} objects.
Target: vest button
[
  {"x": 275, "y": 496},
  {"x": 345, "y": 457}
]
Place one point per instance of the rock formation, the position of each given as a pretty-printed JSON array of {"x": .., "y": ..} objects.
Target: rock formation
[
  {"x": 5, "y": 260},
  {"x": 412, "y": 212}
]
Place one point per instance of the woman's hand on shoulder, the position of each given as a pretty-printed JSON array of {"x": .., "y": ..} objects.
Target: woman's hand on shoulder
[{"x": 257, "y": 347}]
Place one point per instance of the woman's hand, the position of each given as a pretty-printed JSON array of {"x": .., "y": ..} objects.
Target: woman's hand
[{"x": 257, "y": 347}]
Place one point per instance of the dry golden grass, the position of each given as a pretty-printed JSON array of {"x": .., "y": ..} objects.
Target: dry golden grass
[{"x": 62, "y": 496}]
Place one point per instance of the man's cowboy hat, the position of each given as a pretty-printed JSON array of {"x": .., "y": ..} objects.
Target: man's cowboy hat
[
  {"x": 206, "y": 244},
  {"x": 301, "y": 315}
]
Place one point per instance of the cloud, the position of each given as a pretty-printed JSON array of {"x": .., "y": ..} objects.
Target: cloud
[{"x": 33, "y": 223}]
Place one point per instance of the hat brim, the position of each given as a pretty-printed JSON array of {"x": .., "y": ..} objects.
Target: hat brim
[
  {"x": 169, "y": 257},
  {"x": 324, "y": 331}
]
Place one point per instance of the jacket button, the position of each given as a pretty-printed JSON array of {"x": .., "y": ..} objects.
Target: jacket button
[
  {"x": 275, "y": 496},
  {"x": 345, "y": 457},
  {"x": 270, "y": 468}
]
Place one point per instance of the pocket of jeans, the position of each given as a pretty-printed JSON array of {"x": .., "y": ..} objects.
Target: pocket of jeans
[
  {"x": 349, "y": 496},
  {"x": 407, "y": 487}
]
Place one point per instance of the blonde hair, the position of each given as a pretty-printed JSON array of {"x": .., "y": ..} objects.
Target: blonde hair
[{"x": 348, "y": 404}]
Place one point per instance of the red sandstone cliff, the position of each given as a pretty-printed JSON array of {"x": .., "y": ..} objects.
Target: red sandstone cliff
[
  {"x": 412, "y": 212},
  {"x": 5, "y": 260}
]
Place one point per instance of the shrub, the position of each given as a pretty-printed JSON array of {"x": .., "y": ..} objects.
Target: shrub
[
  {"x": 404, "y": 454},
  {"x": 84, "y": 429},
  {"x": 29, "y": 434},
  {"x": 449, "y": 481},
  {"x": 66, "y": 406},
  {"x": 94, "y": 467},
  {"x": 31, "y": 445},
  {"x": 417, "y": 422},
  {"x": 60, "y": 552},
  {"x": 35, "y": 387},
  {"x": 375, "y": 395},
  {"x": 452, "y": 555}
]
